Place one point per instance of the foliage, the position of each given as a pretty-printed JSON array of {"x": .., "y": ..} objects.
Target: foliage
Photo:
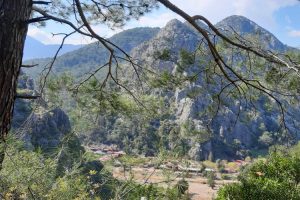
[
  {"x": 68, "y": 154},
  {"x": 276, "y": 178},
  {"x": 182, "y": 186},
  {"x": 25, "y": 173},
  {"x": 211, "y": 176},
  {"x": 164, "y": 55},
  {"x": 73, "y": 187},
  {"x": 32, "y": 175},
  {"x": 152, "y": 192},
  {"x": 266, "y": 139},
  {"x": 220, "y": 165},
  {"x": 295, "y": 150}
]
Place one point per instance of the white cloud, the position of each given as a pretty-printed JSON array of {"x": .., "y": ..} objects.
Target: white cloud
[
  {"x": 43, "y": 36},
  {"x": 294, "y": 33},
  {"x": 153, "y": 20}
]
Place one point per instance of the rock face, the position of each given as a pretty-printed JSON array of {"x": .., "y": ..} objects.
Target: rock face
[
  {"x": 48, "y": 129},
  {"x": 38, "y": 126},
  {"x": 245, "y": 27},
  {"x": 23, "y": 108},
  {"x": 233, "y": 134},
  {"x": 25, "y": 82}
]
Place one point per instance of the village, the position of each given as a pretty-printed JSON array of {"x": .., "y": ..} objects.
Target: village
[{"x": 165, "y": 172}]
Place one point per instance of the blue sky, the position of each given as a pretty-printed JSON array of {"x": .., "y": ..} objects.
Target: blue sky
[
  {"x": 281, "y": 17},
  {"x": 288, "y": 29}
]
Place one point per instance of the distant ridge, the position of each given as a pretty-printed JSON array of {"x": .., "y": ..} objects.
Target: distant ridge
[
  {"x": 87, "y": 57},
  {"x": 36, "y": 49}
]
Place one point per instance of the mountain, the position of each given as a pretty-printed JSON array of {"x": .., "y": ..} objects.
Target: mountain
[
  {"x": 191, "y": 126},
  {"x": 246, "y": 27},
  {"x": 36, "y": 49},
  {"x": 187, "y": 127},
  {"x": 90, "y": 56}
]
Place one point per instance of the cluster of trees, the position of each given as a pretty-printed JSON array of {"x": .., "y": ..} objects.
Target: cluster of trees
[
  {"x": 277, "y": 177},
  {"x": 69, "y": 173}
]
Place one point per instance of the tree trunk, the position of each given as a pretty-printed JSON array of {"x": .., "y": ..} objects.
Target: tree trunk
[{"x": 14, "y": 15}]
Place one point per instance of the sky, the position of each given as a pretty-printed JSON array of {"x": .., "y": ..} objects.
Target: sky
[{"x": 280, "y": 17}]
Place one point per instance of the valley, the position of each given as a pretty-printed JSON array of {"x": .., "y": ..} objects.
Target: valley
[
  {"x": 160, "y": 121},
  {"x": 167, "y": 172}
]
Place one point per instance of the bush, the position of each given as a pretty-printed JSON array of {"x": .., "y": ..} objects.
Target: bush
[
  {"x": 276, "y": 178},
  {"x": 220, "y": 165},
  {"x": 182, "y": 186},
  {"x": 225, "y": 177},
  {"x": 211, "y": 179}
]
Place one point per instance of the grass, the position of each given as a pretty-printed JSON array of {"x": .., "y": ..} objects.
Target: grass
[
  {"x": 90, "y": 156},
  {"x": 133, "y": 160},
  {"x": 233, "y": 166},
  {"x": 209, "y": 164}
]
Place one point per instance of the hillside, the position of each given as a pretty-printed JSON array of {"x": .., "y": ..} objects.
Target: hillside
[
  {"x": 246, "y": 27},
  {"x": 186, "y": 123},
  {"x": 191, "y": 126},
  {"x": 90, "y": 56}
]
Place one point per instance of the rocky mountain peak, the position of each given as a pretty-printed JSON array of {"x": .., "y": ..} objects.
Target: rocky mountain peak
[
  {"x": 174, "y": 22},
  {"x": 246, "y": 27},
  {"x": 239, "y": 23},
  {"x": 226, "y": 130}
]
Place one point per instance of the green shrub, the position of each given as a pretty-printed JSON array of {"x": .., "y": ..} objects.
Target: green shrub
[
  {"x": 276, "y": 178},
  {"x": 211, "y": 176},
  {"x": 225, "y": 177},
  {"x": 182, "y": 186}
]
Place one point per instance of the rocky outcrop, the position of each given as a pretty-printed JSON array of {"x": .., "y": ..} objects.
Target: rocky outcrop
[
  {"x": 246, "y": 27},
  {"x": 47, "y": 129},
  {"x": 235, "y": 129},
  {"x": 35, "y": 123},
  {"x": 23, "y": 108}
]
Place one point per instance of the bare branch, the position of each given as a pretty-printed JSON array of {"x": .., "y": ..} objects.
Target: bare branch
[
  {"x": 29, "y": 66},
  {"x": 18, "y": 96},
  {"x": 43, "y": 81},
  {"x": 41, "y": 2},
  {"x": 37, "y": 19}
]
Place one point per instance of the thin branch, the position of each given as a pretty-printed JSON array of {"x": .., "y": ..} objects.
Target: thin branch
[{"x": 43, "y": 83}]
